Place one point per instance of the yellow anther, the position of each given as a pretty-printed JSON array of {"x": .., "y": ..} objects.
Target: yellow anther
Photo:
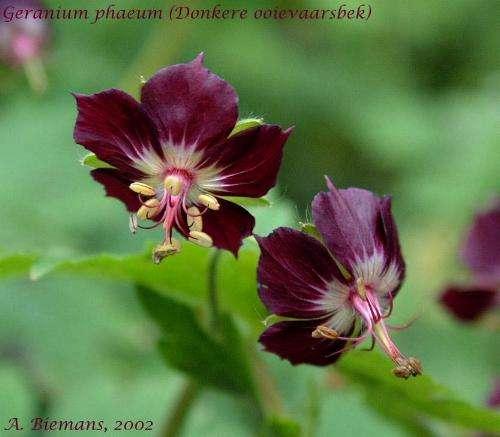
[
  {"x": 209, "y": 201},
  {"x": 166, "y": 249},
  {"x": 194, "y": 220},
  {"x": 149, "y": 209},
  {"x": 360, "y": 285},
  {"x": 323, "y": 331},
  {"x": 140, "y": 188},
  {"x": 408, "y": 367},
  {"x": 173, "y": 185},
  {"x": 201, "y": 238}
]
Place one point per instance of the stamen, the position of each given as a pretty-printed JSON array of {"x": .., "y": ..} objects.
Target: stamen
[
  {"x": 132, "y": 224},
  {"x": 323, "y": 331},
  {"x": 173, "y": 185},
  {"x": 149, "y": 209},
  {"x": 408, "y": 367},
  {"x": 209, "y": 201},
  {"x": 194, "y": 220},
  {"x": 201, "y": 238},
  {"x": 360, "y": 285},
  {"x": 140, "y": 188},
  {"x": 166, "y": 249}
]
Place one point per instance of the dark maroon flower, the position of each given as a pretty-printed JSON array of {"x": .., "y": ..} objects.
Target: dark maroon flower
[
  {"x": 21, "y": 39},
  {"x": 338, "y": 291},
  {"x": 481, "y": 254},
  {"x": 174, "y": 156}
]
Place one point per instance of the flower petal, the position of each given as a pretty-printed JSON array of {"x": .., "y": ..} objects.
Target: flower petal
[
  {"x": 297, "y": 276},
  {"x": 481, "y": 251},
  {"x": 190, "y": 105},
  {"x": 469, "y": 303},
  {"x": 357, "y": 225},
  {"x": 248, "y": 162},
  {"x": 494, "y": 398},
  {"x": 117, "y": 186},
  {"x": 227, "y": 226},
  {"x": 293, "y": 341},
  {"x": 113, "y": 125}
]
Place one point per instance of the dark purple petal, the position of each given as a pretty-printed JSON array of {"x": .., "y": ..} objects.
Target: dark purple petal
[
  {"x": 469, "y": 303},
  {"x": 113, "y": 125},
  {"x": 190, "y": 105},
  {"x": 117, "y": 186},
  {"x": 292, "y": 341},
  {"x": 388, "y": 233},
  {"x": 494, "y": 398},
  {"x": 481, "y": 251},
  {"x": 294, "y": 274},
  {"x": 355, "y": 224},
  {"x": 249, "y": 162},
  {"x": 228, "y": 226}
]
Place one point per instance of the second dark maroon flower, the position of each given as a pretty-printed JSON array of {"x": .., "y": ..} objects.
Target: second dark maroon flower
[{"x": 338, "y": 289}]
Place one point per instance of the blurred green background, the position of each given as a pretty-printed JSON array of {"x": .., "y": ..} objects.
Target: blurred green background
[{"x": 404, "y": 104}]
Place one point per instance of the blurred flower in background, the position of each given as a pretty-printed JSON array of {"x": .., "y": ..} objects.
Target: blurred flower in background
[
  {"x": 481, "y": 254},
  {"x": 23, "y": 40}
]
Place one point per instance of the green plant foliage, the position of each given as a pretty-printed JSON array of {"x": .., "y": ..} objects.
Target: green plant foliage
[
  {"x": 217, "y": 360},
  {"x": 277, "y": 426},
  {"x": 414, "y": 400},
  {"x": 184, "y": 281},
  {"x": 187, "y": 346},
  {"x": 16, "y": 265}
]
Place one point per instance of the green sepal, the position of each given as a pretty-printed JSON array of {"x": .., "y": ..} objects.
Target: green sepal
[
  {"x": 310, "y": 229},
  {"x": 249, "y": 202},
  {"x": 245, "y": 124},
  {"x": 91, "y": 160}
]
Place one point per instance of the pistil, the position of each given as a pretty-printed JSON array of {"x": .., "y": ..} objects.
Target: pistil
[{"x": 367, "y": 305}]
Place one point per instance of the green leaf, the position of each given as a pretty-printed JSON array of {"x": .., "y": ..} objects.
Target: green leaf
[
  {"x": 278, "y": 426},
  {"x": 248, "y": 201},
  {"x": 16, "y": 265},
  {"x": 91, "y": 160},
  {"x": 415, "y": 398},
  {"x": 181, "y": 276},
  {"x": 246, "y": 123},
  {"x": 188, "y": 347}
]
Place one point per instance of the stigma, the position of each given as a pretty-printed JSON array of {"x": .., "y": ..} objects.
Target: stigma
[{"x": 173, "y": 185}]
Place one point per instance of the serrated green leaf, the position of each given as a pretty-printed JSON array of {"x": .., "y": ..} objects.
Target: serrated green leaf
[
  {"x": 246, "y": 123},
  {"x": 248, "y": 201},
  {"x": 188, "y": 347},
  {"x": 423, "y": 397},
  {"x": 278, "y": 426},
  {"x": 91, "y": 160}
]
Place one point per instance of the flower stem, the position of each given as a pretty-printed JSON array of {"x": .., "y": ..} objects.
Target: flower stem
[
  {"x": 35, "y": 73},
  {"x": 173, "y": 427},
  {"x": 213, "y": 300},
  {"x": 191, "y": 388}
]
